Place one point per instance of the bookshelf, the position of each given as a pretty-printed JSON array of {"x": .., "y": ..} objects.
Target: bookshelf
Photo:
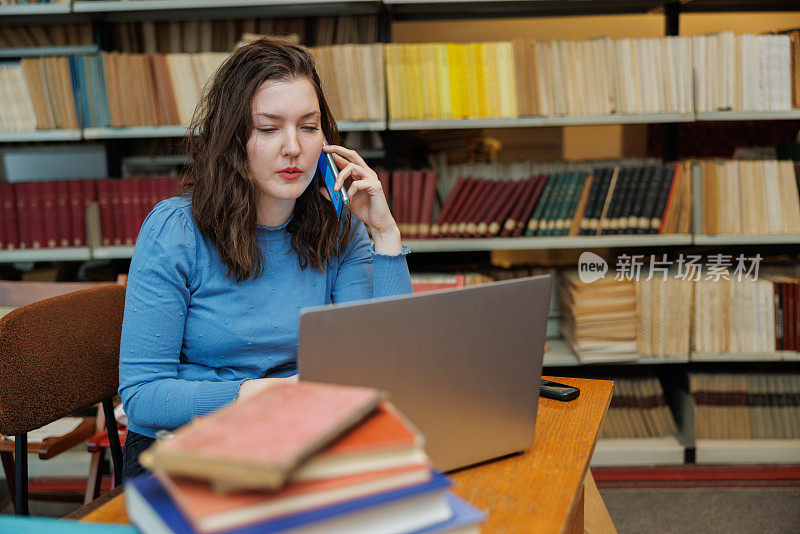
[
  {"x": 546, "y": 243},
  {"x": 721, "y": 240},
  {"x": 38, "y": 51},
  {"x": 529, "y": 122},
  {"x": 62, "y": 8},
  {"x": 40, "y": 136},
  {"x": 47, "y": 254}
]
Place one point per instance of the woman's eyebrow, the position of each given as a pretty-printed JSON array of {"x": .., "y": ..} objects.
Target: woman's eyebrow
[{"x": 273, "y": 116}]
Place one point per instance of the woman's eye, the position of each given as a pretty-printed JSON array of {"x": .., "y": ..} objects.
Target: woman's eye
[
  {"x": 311, "y": 128},
  {"x": 265, "y": 130}
]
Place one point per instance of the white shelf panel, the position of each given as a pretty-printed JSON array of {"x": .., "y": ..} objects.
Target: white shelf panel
[
  {"x": 747, "y": 451},
  {"x": 40, "y": 135},
  {"x": 35, "y": 9},
  {"x": 361, "y": 126},
  {"x": 638, "y": 451},
  {"x": 559, "y": 355},
  {"x": 793, "y": 114},
  {"x": 527, "y": 122},
  {"x": 108, "y": 6},
  {"x": 37, "y": 51},
  {"x": 737, "y": 357},
  {"x": 112, "y": 253},
  {"x": 137, "y": 132},
  {"x": 765, "y": 239},
  {"x": 543, "y": 243},
  {"x": 46, "y": 254}
]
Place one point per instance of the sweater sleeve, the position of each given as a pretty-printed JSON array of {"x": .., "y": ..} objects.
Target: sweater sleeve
[
  {"x": 364, "y": 273},
  {"x": 156, "y": 303}
]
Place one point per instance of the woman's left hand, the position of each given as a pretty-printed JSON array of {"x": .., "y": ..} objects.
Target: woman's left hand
[{"x": 367, "y": 199}]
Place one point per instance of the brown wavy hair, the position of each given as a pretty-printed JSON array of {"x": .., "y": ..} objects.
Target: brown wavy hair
[{"x": 224, "y": 195}]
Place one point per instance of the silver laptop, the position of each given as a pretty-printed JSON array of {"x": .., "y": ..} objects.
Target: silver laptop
[{"x": 463, "y": 365}]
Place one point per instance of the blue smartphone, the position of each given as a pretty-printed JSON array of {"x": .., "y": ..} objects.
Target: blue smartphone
[{"x": 329, "y": 172}]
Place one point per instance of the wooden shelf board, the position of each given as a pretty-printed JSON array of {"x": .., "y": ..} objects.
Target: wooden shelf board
[
  {"x": 528, "y": 122},
  {"x": 46, "y": 254},
  {"x": 40, "y": 135}
]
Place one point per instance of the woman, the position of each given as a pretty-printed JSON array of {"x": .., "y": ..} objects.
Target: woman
[{"x": 219, "y": 274}]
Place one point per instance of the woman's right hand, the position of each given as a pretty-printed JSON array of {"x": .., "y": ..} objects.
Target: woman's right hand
[{"x": 253, "y": 386}]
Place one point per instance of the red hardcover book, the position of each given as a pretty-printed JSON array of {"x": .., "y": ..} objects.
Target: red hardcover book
[
  {"x": 397, "y": 201},
  {"x": 522, "y": 223},
  {"x": 475, "y": 199},
  {"x": 449, "y": 202},
  {"x": 128, "y": 211},
  {"x": 8, "y": 218},
  {"x": 168, "y": 186},
  {"x": 796, "y": 313},
  {"x": 63, "y": 206},
  {"x": 22, "y": 197},
  {"x": 118, "y": 236},
  {"x": 428, "y": 198},
  {"x": 50, "y": 214},
  {"x": 406, "y": 187},
  {"x": 505, "y": 204},
  {"x": 36, "y": 214},
  {"x": 295, "y": 421},
  {"x": 75, "y": 188},
  {"x": 459, "y": 198},
  {"x": 510, "y": 224},
  {"x": 670, "y": 198},
  {"x": 139, "y": 203},
  {"x": 489, "y": 203},
  {"x": 417, "y": 188},
  {"x": 384, "y": 179}
]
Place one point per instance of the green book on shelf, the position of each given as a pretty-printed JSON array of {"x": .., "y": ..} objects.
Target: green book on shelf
[
  {"x": 549, "y": 210},
  {"x": 544, "y": 200}
]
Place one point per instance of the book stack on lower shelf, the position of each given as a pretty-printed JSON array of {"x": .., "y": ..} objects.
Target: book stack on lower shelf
[
  {"x": 639, "y": 428},
  {"x": 745, "y": 418},
  {"x": 302, "y": 457}
]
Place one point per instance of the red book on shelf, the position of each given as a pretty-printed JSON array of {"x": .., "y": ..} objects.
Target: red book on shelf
[
  {"x": 106, "y": 216},
  {"x": 670, "y": 198},
  {"x": 8, "y": 218},
  {"x": 796, "y": 313},
  {"x": 89, "y": 189},
  {"x": 428, "y": 198},
  {"x": 510, "y": 223},
  {"x": 447, "y": 208},
  {"x": 50, "y": 214},
  {"x": 522, "y": 223},
  {"x": 417, "y": 188},
  {"x": 152, "y": 194},
  {"x": 475, "y": 198},
  {"x": 75, "y": 188},
  {"x": 117, "y": 212},
  {"x": 128, "y": 211},
  {"x": 488, "y": 202},
  {"x": 22, "y": 196},
  {"x": 167, "y": 188},
  {"x": 63, "y": 207},
  {"x": 458, "y": 198},
  {"x": 139, "y": 203},
  {"x": 295, "y": 421},
  {"x": 788, "y": 315},
  {"x": 384, "y": 179},
  {"x": 36, "y": 214},
  {"x": 504, "y": 205},
  {"x": 406, "y": 186}
]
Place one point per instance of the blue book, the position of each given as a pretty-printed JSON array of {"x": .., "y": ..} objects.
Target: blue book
[
  {"x": 408, "y": 509},
  {"x": 77, "y": 90},
  {"x": 46, "y": 525},
  {"x": 466, "y": 519}
]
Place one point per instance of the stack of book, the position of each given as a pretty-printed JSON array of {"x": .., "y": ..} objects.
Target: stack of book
[
  {"x": 599, "y": 318},
  {"x": 638, "y": 410},
  {"x": 302, "y": 457},
  {"x": 748, "y": 197}
]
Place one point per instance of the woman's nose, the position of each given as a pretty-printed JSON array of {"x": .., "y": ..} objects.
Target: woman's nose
[{"x": 291, "y": 144}]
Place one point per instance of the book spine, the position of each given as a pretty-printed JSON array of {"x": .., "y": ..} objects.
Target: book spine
[
  {"x": 533, "y": 223},
  {"x": 8, "y": 217},
  {"x": 513, "y": 198},
  {"x": 510, "y": 222},
  {"x": 777, "y": 288},
  {"x": 648, "y": 210},
  {"x": 50, "y": 214},
  {"x": 428, "y": 199},
  {"x": 128, "y": 211},
  {"x": 495, "y": 190},
  {"x": 525, "y": 215},
  {"x": 36, "y": 214},
  {"x": 117, "y": 211},
  {"x": 459, "y": 199},
  {"x": 447, "y": 208},
  {"x": 639, "y": 218},
  {"x": 397, "y": 201},
  {"x": 63, "y": 209},
  {"x": 668, "y": 175},
  {"x": 415, "y": 204},
  {"x": 88, "y": 196},
  {"x": 473, "y": 202}
]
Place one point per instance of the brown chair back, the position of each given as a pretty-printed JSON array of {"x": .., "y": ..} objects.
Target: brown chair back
[
  {"x": 14, "y": 293},
  {"x": 59, "y": 356}
]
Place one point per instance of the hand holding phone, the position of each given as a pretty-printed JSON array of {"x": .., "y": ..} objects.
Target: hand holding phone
[{"x": 329, "y": 173}]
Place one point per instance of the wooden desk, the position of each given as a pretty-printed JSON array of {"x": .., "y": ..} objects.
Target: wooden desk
[{"x": 540, "y": 490}]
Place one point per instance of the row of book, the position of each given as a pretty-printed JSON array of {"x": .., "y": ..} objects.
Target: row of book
[
  {"x": 521, "y": 78},
  {"x": 346, "y": 461},
  {"x": 614, "y": 319},
  {"x": 654, "y": 199},
  {"x": 126, "y": 90},
  {"x": 638, "y": 410},
  {"x": 30, "y": 35},
  {"x": 222, "y": 35},
  {"x": 36, "y": 215},
  {"x": 746, "y": 405},
  {"x": 749, "y": 197},
  {"x": 746, "y": 72}
]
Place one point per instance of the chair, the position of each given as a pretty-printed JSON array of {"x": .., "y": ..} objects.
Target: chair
[{"x": 60, "y": 356}]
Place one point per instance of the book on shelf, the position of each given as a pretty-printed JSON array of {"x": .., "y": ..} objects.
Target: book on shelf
[
  {"x": 46, "y": 35},
  {"x": 638, "y": 410},
  {"x": 756, "y": 406},
  {"x": 748, "y": 197},
  {"x": 663, "y": 315}
]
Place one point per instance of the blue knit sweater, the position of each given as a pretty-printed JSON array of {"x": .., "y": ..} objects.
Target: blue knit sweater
[{"x": 191, "y": 336}]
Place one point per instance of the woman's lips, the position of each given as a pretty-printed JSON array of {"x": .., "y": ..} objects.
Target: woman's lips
[{"x": 290, "y": 175}]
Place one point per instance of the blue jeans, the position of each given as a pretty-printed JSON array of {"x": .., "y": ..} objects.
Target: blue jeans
[{"x": 134, "y": 445}]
